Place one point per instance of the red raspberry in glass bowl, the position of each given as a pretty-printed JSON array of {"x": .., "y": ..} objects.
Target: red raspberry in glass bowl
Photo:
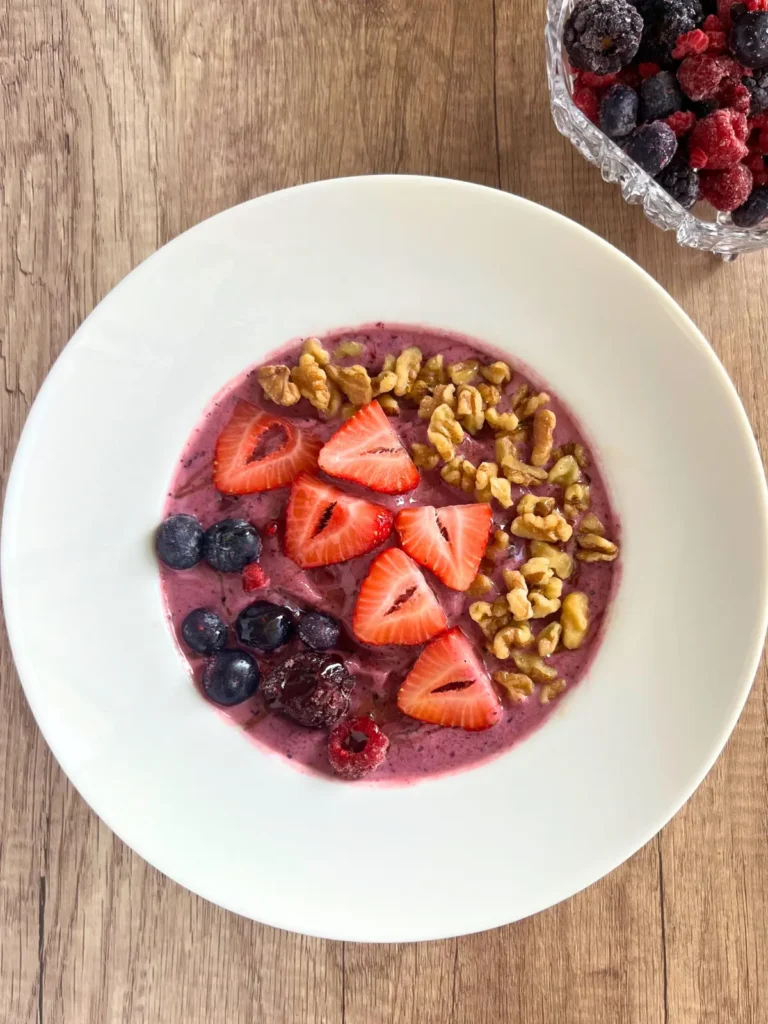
[
  {"x": 726, "y": 190},
  {"x": 718, "y": 141}
]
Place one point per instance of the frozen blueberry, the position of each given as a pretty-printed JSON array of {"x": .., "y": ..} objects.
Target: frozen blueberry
[
  {"x": 652, "y": 146},
  {"x": 663, "y": 22},
  {"x": 749, "y": 39},
  {"x": 265, "y": 626},
  {"x": 318, "y": 631},
  {"x": 179, "y": 542},
  {"x": 312, "y": 689},
  {"x": 660, "y": 96},
  {"x": 758, "y": 89},
  {"x": 230, "y": 545},
  {"x": 755, "y": 210},
  {"x": 230, "y": 677},
  {"x": 204, "y": 631},
  {"x": 602, "y": 35},
  {"x": 680, "y": 180},
  {"x": 618, "y": 111}
]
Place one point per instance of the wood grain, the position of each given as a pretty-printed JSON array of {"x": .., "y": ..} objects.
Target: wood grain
[{"x": 123, "y": 123}]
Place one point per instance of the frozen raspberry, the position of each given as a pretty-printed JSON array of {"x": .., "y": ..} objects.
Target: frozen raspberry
[
  {"x": 713, "y": 24},
  {"x": 664, "y": 22},
  {"x": 312, "y": 689},
  {"x": 680, "y": 181},
  {"x": 718, "y": 141},
  {"x": 602, "y": 35},
  {"x": 652, "y": 146},
  {"x": 753, "y": 211},
  {"x": 726, "y": 190},
  {"x": 761, "y": 143},
  {"x": 660, "y": 96},
  {"x": 356, "y": 747},
  {"x": 700, "y": 75},
  {"x": 749, "y": 39},
  {"x": 587, "y": 101},
  {"x": 254, "y": 578},
  {"x": 629, "y": 76},
  {"x": 724, "y": 11},
  {"x": 595, "y": 81},
  {"x": 734, "y": 95},
  {"x": 681, "y": 122},
  {"x": 718, "y": 42},
  {"x": 688, "y": 43},
  {"x": 756, "y": 5},
  {"x": 618, "y": 111},
  {"x": 648, "y": 69}
]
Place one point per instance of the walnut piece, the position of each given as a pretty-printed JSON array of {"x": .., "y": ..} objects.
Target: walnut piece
[
  {"x": 560, "y": 561},
  {"x": 497, "y": 373},
  {"x": 592, "y": 544},
  {"x": 314, "y": 348},
  {"x": 384, "y": 382},
  {"x": 353, "y": 381},
  {"x": 444, "y": 394},
  {"x": 407, "y": 366},
  {"x": 574, "y": 619},
  {"x": 460, "y": 472},
  {"x": 463, "y": 373},
  {"x": 486, "y": 472},
  {"x": 565, "y": 472},
  {"x": 548, "y": 639},
  {"x": 312, "y": 381},
  {"x": 277, "y": 385},
  {"x": 578, "y": 451},
  {"x": 500, "y": 420},
  {"x": 533, "y": 503},
  {"x": 335, "y": 402},
  {"x": 537, "y": 571},
  {"x": 527, "y": 408},
  {"x": 551, "y": 690},
  {"x": 517, "y": 685},
  {"x": 425, "y": 456},
  {"x": 544, "y": 422},
  {"x": 576, "y": 499},
  {"x": 497, "y": 546},
  {"x": 418, "y": 391},
  {"x": 514, "y": 636},
  {"x": 489, "y": 617},
  {"x": 552, "y": 528},
  {"x": 433, "y": 372},
  {"x": 470, "y": 408},
  {"x": 520, "y": 473},
  {"x": 517, "y": 596},
  {"x": 542, "y": 605},
  {"x": 501, "y": 490},
  {"x": 444, "y": 431},
  {"x": 534, "y": 666},
  {"x": 480, "y": 586},
  {"x": 389, "y": 404},
  {"x": 345, "y": 349},
  {"x": 591, "y": 524},
  {"x": 552, "y": 588},
  {"x": 490, "y": 394}
]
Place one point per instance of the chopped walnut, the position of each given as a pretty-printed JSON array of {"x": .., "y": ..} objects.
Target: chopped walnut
[
  {"x": 576, "y": 499},
  {"x": 514, "y": 636},
  {"x": 520, "y": 473},
  {"x": 463, "y": 373},
  {"x": 551, "y": 690},
  {"x": 531, "y": 405},
  {"x": 459, "y": 472},
  {"x": 501, "y": 490},
  {"x": 591, "y": 524},
  {"x": 578, "y": 451},
  {"x": 347, "y": 348},
  {"x": 534, "y": 666},
  {"x": 418, "y": 391},
  {"x": 489, "y": 617},
  {"x": 544, "y": 422},
  {"x": 407, "y": 366},
  {"x": 314, "y": 348},
  {"x": 433, "y": 372},
  {"x": 590, "y": 557},
  {"x": 348, "y": 410},
  {"x": 500, "y": 420},
  {"x": 497, "y": 546},
  {"x": 552, "y": 588},
  {"x": 560, "y": 561},
  {"x": 551, "y": 528},
  {"x": 517, "y": 596},
  {"x": 542, "y": 605},
  {"x": 444, "y": 431},
  {"x": 537, "y": 571},
  {"x": 574, "y": 619},
  {"x": 548, "y": 639},
  {"x": 384, "y": 382},
  {"x": 335, "y": 402},
  {"x": 470, "y": 408},
  {"x": 444, "y": 394},
  {"x": 353, "y": 381},
  {"x": 517, "y": 685},
  {"x": 533, "y": 503},
  {"x": 497, "y": 373},
  {"x": 486, "y": 472},
  {"x": 480, "y": 586},
  {"x": 389, "y": 404},
  {"x": 312, "y": 381},
  {"x": 565, "y": 472},
  {"x": 592, "y": 544},
  {"x": 490, "y": 394},
  {"x": 277, "y": 385},
  {"x": 425, "y": 456}
]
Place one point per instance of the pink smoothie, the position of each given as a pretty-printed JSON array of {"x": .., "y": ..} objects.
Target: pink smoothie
[{"x": 416, "y": 750}]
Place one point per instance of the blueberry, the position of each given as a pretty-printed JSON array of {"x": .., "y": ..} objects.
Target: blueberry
[
  {"x": 204, "y": 631},
  {"x": 602, "y": 35},
  {"x": 749, "y": 39},
  {"x": 681, "y": 181},
  {"x": 179, "y": 542},
  {"x": 312, "y": 689},
  {"x": 652, "y": 146},
  {"x": 758, "y": 89},
  {"x": 265, "y": 626},
  {"x": 618, "y": 111},
  {"x": 230, "y": 677},
  {"x": 318, "y": 631},
  {"x": 230, "y": 545},
  {"x": 660, "y": 96},
  {"x": 755, "y": 210}
]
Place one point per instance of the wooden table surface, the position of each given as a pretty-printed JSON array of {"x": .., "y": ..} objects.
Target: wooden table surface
[{"x": 123, "y": 123}]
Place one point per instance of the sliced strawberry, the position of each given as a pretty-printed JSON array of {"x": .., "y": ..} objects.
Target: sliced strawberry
[
  {"x": 258, "y": 452},
  {"x": 448, "y": 685},
  {"x": 395, "y": 604},
  {"x": 324, "y": 525},
  {"x": 450, "y": 541},
  {"x": 367, "y": 450}
]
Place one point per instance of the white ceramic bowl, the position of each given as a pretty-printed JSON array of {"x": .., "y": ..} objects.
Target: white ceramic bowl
[{"x": 454, "y": 854}]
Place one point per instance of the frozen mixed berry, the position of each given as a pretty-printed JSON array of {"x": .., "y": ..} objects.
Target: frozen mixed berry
[
  {"x": 356, "y": 747},
  {"x": 595, "y": 81},
  {"x": 660, "y": 96},
  {"x": 758, "y": 90},
  {"x": 749, "y": 39},
  {"x": 318, "y": 631},
  {"x": 311, "y": 688},
  {"x": 756, "y": 163},
  {"x": 265, "y": 626},
  {"x": 753, "y": 211},
  {"x": 179, "y": 542},
  {"x": 734, "y": 95},
  {"x": 681, "y": 181},
  {"x": 700, "y": 76},
  {"x": 230, "y": 545},
  {"x": 726, "y": 190},
  {"x": 647, "y": 69},
  {"x": 602, "y": 35},
  {"x": 718, "y": 141},
  {"x": 586, "y": 99},
  {"x": 681, "y": 122},
  {"x": 618, "y": 111},
  {"x": 230, "y": 677},
  {"x": 254, "y": 578},
  {"x": 204, "y": 631},
  {"x": 652, "y": 146},
  {"x": 665, "y": 21},
  {"x": 688, "y": 43}
]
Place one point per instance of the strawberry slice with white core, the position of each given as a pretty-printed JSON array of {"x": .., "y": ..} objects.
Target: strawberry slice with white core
[
  {"x": 324, "y": 525},
  {"x": 450, "y": 541},
  {"x": 259, "y": 452},
  {"x": 395, "y": 604},
  {"x": 449, "y": 686},
  {"x": 366, "y": 450}
]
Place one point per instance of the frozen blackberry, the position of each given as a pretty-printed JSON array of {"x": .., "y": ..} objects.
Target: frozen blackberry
[
  {"x": 664, "y": 21},
  {"x": 758, "y": 90},
  {"x": 602, "y": 35},
  {"x": 618, "y": 111},
  {"x": 755, "y": 210},
  {"x": 652, "y": 146},
  {"x": 312, "y": 689},
  {"x": 749, "y": 39},
  {"x": 660, "y": 96},
  {"x": 680, "y": 180}
]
